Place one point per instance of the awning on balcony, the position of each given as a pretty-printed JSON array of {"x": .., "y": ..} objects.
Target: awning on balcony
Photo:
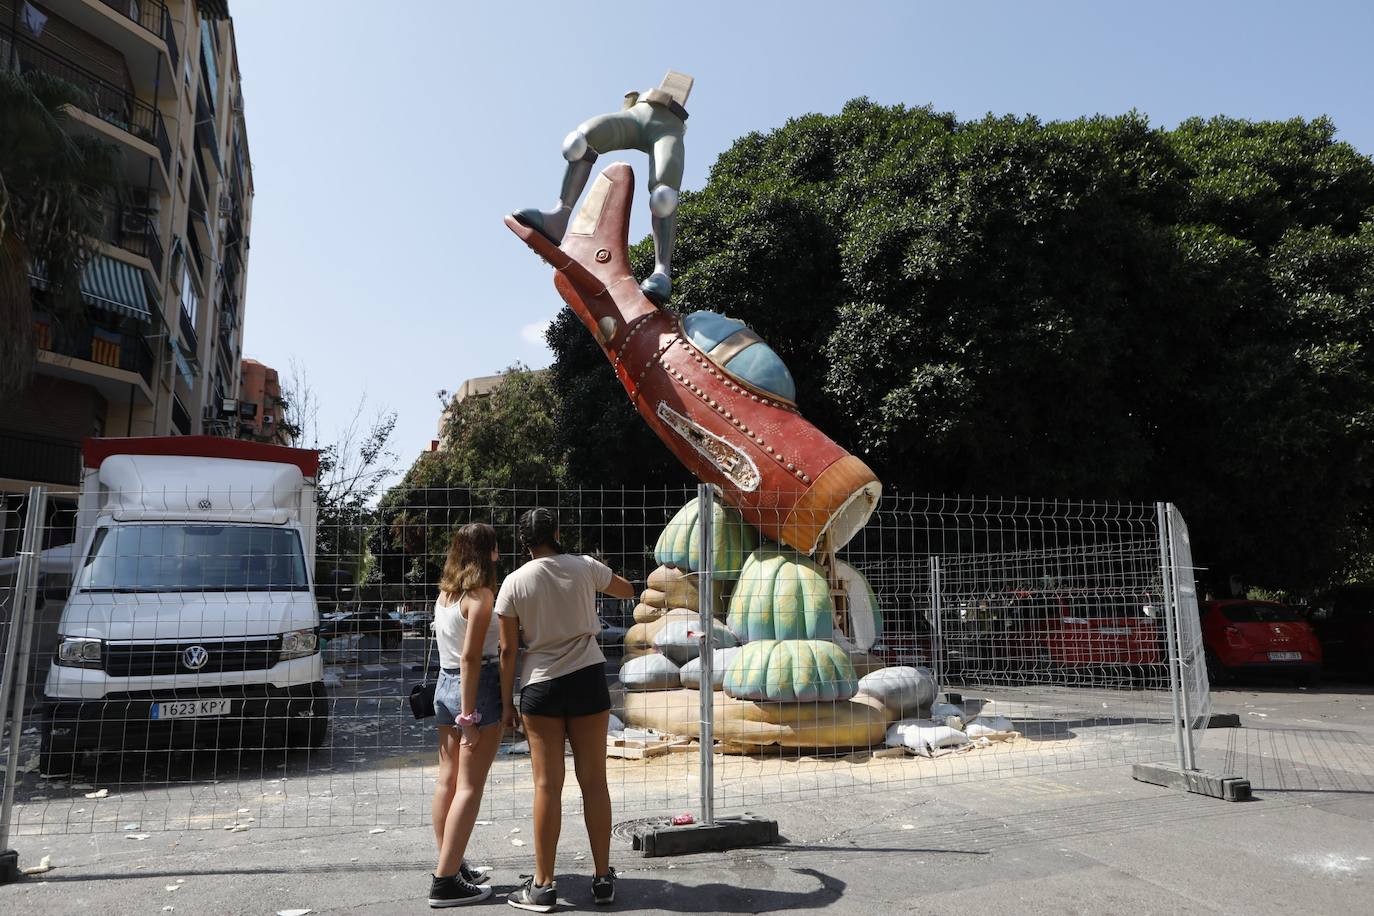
[{"x": 105, "y": 284}]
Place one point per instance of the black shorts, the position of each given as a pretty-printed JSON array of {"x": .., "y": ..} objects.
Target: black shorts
[{"x": 582, "y": 693}]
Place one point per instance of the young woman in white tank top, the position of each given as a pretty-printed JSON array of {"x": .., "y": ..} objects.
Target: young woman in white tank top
[{"x": 469, "y": 707}]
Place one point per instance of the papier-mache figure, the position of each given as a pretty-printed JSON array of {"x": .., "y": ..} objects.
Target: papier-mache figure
[{"x": 653, "y": 122}]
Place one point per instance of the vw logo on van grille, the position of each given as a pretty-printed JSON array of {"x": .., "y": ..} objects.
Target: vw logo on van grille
[
  {"x": 195, "y": 657},
  {"x": 205, "y": 505}
]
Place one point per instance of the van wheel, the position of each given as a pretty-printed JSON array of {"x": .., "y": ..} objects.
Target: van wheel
[
  {"x": 56, "y": 758},
  {"x": 309, "y": 734}
]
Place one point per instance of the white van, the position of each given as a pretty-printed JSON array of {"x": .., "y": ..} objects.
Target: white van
[{"x": 192, "y": 618}]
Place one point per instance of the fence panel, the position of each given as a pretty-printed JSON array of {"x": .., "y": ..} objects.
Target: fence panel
[
  {"x": 213, "y": 674},
  {"x": 1044, "y": 620}
]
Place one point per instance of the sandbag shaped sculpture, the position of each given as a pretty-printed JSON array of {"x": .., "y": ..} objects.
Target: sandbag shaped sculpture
[{"x": 794, "y": 679}]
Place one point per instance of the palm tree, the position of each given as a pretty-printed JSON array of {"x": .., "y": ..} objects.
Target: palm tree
[{"x": 53, "y": 191}]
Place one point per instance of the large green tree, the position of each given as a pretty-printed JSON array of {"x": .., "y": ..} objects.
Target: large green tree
[
  {"x": 1095, "y": 308},
  {"x": 498, "y": 455},
  {"x": 53, "y": 190}
]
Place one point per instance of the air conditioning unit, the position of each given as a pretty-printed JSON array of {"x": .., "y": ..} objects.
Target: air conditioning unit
[
  {"x": 135, "y": 222},
  {"x": 226, "y": 205},
  {"x": 226, "y": 322}
]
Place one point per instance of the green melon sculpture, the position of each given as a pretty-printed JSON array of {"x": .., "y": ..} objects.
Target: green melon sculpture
[
  {"x": 791, "y": 671},
  {"x": 781, "y": 595},
  {"x": 678, "y": 544}
]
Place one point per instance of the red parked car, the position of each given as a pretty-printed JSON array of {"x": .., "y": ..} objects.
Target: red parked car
[{"x": 1258, "y": 637}]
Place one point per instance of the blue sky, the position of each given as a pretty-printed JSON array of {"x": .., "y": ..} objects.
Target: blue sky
[{"x": 389, "y": 139}]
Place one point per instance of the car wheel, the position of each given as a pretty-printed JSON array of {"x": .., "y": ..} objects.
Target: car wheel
[{"x": 1216, "y": 671}]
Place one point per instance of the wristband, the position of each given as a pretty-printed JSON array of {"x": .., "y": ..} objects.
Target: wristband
[{"x": 471, "y": 718}]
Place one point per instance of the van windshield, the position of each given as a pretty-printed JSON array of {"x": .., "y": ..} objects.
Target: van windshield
[{"x": 194, "y": 558}]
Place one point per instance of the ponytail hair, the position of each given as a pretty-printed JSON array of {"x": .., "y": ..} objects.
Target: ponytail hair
[{"x": 539, "y": 528}]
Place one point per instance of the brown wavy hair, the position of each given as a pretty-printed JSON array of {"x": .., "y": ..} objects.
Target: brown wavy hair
[{"x": 469, "y": 564}]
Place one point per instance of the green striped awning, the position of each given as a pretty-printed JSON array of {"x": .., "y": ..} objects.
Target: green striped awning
[{"x": 105, "y": 284}]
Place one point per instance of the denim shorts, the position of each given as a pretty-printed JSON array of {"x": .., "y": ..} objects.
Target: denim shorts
[{"x": 448, "y": 695}]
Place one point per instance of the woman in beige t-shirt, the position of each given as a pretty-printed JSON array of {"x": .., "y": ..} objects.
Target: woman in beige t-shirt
[{"x": 551, "y": 602}]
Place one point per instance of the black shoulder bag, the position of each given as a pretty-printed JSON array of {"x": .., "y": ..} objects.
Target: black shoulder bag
[{"x": 422, "y": 694}]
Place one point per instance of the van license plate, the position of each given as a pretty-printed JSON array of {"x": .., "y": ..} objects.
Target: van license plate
[
  {"x": 190, "y": 709},
  {"x": 1285, "y": 656}
]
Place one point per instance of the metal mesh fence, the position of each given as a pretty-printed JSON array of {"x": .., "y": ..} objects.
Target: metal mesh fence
[{"x": 226, "y": 660}]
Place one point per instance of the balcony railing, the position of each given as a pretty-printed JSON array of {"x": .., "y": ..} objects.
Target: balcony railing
[
  {"x": 147, "y": 13},
  {"x": 134, "y": 231},
  {"x": 116, "y": 349},
  {"x": 188, "y": 331},
  {"x": 112, "y": 104},
  {"x": 42, "y": 458},
  {"x": 181, "y": 419}
]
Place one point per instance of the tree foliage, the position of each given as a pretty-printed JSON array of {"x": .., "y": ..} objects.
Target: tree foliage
[
  {"x": 355, "y": 464},
  {"x": 53, "y": 189},
  {"x": 498, "y": 453},
  {"x": 1093, "y": 309}
]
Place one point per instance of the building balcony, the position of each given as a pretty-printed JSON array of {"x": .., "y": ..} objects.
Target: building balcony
[
  {"x": 136, "y": 124},
  {"x": 132, "y": 27},
  {"x": 136, "y": 232},
  {"x": 94, "y": 343},
  {"x": 39, "y": 458}
]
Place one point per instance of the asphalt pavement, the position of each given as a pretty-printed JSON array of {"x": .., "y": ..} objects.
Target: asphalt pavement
[{"x": 1060, "y": 840}]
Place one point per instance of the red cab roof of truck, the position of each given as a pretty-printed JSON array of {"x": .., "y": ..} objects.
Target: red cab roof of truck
[{"x": 95, "y": 451}]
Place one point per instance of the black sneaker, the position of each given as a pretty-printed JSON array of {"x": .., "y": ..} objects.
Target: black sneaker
[
  {"x": 529, "y": 897},
  {"x": 472, "y": 875},
  {"x": 603, "y": 888},
  {"x": 454, "y": 891}
]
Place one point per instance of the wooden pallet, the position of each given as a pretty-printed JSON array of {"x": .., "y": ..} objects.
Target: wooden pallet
[{"x": 644, "y": 748}]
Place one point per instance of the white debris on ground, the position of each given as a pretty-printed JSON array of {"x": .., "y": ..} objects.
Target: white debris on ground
[
  {"x": 949, "y": 729},
  {"x": 99, "y": 793},
  {"x": 44, "y": 865}
]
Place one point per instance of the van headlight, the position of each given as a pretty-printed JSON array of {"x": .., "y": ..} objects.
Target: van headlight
[
  {"x": 298, "y": 644},
  {"x": 79, "y": 652}
]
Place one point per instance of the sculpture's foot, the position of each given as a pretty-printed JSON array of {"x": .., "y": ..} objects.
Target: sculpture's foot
[
  {"x": 657, "y": 288},
  {"x": 550, "y": 224}
]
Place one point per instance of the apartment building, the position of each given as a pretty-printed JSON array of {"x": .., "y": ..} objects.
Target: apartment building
[
  {"x": 159, "y": 352},
  {"x": 260, "y": 404}
]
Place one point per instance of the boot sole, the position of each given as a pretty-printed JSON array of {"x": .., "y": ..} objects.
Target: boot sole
[{"x": 533, "y": 907}]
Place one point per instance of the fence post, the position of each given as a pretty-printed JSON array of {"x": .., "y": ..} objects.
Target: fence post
[
  {"x": 1170, "y": 629},
  {"x": 937, "y": 647},
  {"x": 706, "y": 510},
  {"x": 16, "y": 673},
  {"x": 1186, "y": 717}
]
